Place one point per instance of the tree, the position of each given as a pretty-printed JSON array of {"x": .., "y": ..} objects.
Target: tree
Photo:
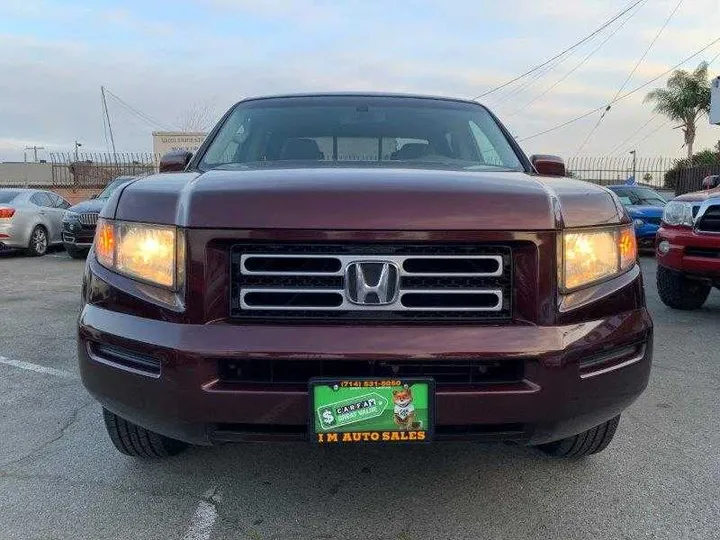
[
  {"x": 647, "y": 178},
  {"x": 197, "y": 118},
  {"x": 685, "y": 98}
]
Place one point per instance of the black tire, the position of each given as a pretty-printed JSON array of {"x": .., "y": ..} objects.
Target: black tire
[
  {"x": 678, "y": 292},
  {"x": 39, "y": 242},
  {"x": 76, "y": 253},
  {"x": 135, "y": 441},
  {"x": 588, "y": 442}
]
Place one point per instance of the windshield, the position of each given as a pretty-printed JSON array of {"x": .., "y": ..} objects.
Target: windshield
[
  {"x": 6, "y": 196},
  {"x": 639, "y": 196},
  {"x": 357, "y": 130},
  {"x": 112, "y": 186}
]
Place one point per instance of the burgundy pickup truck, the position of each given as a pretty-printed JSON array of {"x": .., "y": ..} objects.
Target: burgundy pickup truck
[{"x": 367, "y": 268}]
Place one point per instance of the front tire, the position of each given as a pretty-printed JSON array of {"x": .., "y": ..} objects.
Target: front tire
[
  {"x": 678, "y": 292},
  {"x": 38, "y": 242},
  {"x": 588, "y": 442},
  {"x": 135, "y": 441}
]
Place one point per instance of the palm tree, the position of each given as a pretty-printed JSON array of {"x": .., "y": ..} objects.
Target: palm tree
[{"x": 685, "y": 99}]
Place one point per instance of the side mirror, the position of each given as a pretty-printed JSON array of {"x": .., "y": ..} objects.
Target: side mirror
[
  {"x": 548, "y": 165},
  {"x": 175, "y": 161}
]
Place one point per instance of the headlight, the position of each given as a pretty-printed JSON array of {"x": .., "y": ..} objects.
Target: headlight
[
  {"x": 678, "y": 213},
  {"x": 151, "y": 253},
  {"x": 638, "y": 222},
  {"x": 592, "y": 255},
  {"x": 70, "y": 216}
]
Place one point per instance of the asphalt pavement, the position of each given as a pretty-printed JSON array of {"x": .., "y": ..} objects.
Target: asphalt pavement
[{"x": 61, "y": 478}]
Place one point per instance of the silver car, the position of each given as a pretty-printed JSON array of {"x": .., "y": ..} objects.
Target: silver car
[{"x": 30, "y": 219}]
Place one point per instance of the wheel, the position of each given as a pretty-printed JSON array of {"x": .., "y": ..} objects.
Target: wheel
[
  {"x": 588, "y": 442},
  {"x": 76, "y": 253},
  {"x": 38, "y": 242},
  {"x": 679, "y": 292},
  {"x": 135, "y": 441}
]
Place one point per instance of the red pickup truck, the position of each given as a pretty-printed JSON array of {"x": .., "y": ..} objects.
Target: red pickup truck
[
  {"x": 688, "y": 249},
  {"x": 363, "y": 268}
]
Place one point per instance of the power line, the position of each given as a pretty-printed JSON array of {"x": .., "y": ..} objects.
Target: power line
[
  {"x": 652, "y": 118},
  {"x": 627, "y": 79},
  {"x": 146, "y": 117},
  {"x": 563, "y": 53},
  {"x": 634, "y": 133},
  {"x": 653, "y": 132},
  {"x": 621, "y": 97},
  {"x": 576, "y": 67}
]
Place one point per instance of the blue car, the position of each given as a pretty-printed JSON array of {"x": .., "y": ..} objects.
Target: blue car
[{"x": 645, "y": 207}]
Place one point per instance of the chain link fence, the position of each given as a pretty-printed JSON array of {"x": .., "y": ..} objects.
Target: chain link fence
[{"x": 96, "y": 170}]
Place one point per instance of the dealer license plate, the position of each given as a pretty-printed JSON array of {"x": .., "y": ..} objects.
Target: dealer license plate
[{"x": 372, "y": 410}]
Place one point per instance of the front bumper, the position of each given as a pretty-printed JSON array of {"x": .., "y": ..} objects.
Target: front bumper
[
  {"x": 694, "y": 254},
  {"x": 76, "y": 235},
  {"x": 646, "y": 235},
  {"x": 562, "y": 393}
]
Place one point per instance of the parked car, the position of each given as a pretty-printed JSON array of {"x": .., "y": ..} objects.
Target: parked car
[
  {"x": 688, "y": 249},
  {"x": 79, "y": 221},
  {"x": 30, "y": 219},
  {"x": 363, "y": 268},
  {"x": 710, "y": 182},
  {"x": 645, "y": 207}
]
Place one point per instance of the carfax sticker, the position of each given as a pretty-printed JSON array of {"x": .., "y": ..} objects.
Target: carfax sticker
[{"x": 378, "y": 410}]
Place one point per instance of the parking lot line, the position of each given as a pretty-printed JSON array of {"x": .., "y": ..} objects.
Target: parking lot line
[
  {"x": 37, "y": 368},
  {"x": 204, "y": 518}
]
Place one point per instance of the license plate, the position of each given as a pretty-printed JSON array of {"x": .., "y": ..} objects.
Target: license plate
[{"x": 372, "y": 410}]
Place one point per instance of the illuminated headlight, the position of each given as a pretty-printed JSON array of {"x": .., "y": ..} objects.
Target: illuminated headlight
[
  {"x": 678, "y": 213},
  {"x": 70, "y": 216},
  {"x": 638, "y": 223},
  {"x": 591, "y": 255},
  {"x": 150, "y": 253}
]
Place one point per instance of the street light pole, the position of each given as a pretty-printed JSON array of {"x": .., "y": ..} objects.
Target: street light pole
[
  {"x": 634, "y": 155},
  {"x": 77, "y": 145}
]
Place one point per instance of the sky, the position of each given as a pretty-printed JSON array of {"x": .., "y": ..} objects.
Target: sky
[{"x": 172, "y": 59}]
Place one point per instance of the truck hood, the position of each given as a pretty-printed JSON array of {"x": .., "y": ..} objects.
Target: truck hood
[
  {"x": 91, "y": 205},
  {"x": 360, "y": 198},
  {"x": 700, "y": 196}
]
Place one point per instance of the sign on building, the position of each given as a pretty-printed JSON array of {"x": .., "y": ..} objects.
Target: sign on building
[{"x": 166, "y": 141}]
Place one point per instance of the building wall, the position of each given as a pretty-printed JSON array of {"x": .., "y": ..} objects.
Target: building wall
[{"x": 19, "y": 174}]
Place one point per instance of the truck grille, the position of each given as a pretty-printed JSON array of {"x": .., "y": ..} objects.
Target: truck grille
[
  {"x": 89, "y": 218},
  {"x": 710, "y": 220},
  {"x": 375, "y": 282}
]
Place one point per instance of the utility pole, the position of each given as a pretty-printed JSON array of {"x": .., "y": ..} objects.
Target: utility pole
[
  {"x": 634, "y": 155},
  {"x": 34, "y": 149},
  {"x": 107, "y": 116}
]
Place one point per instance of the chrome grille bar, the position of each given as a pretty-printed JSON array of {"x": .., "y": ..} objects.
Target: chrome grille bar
[
  {"x": 89, "y": 218},
  {"x": 345, "y": 305},
  {"x": 400, "y": 260}
]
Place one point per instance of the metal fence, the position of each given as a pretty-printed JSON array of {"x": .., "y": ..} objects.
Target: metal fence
[
  {"x": 689, "y": 179},
  {"x": 95, "y": 170},
  {"x": 606, "y": 170}
]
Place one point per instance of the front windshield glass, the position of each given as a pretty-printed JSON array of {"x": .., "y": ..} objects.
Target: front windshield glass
[
  {"x": 112, "y": 186},
  {"x": 648, "y": 197},
  {"x": 361, "y": 130}
]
